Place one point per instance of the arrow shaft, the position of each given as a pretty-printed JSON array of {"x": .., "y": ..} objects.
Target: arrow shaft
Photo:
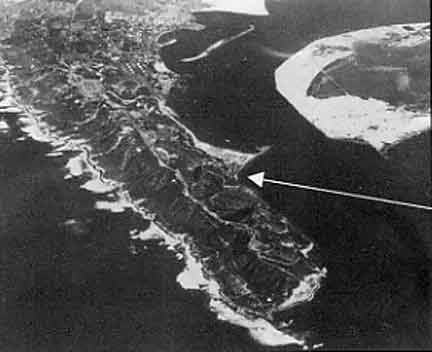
[{"x": 348, "y": 194}]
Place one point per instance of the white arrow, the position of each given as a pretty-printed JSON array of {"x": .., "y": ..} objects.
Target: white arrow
[{"x": 259, "y": 179}]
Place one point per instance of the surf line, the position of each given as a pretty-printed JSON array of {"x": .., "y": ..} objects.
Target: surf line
[{"x": 259, "y": 179}]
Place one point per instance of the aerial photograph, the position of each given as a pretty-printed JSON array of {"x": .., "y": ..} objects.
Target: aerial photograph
[{"x": 215, "y": 175}]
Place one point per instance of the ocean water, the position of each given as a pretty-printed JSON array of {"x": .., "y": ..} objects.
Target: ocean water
[{"x": 82, "y": 268}]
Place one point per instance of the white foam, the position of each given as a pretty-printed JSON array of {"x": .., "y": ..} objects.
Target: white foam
[
  {"x": 98, "y": 186},
  {"x": 307, "y": 250},
  {"x": 261, "y": 330},
  {"x": 305, "y": 291},
  {"x": 9, "y": 109},
  {"x": 153, "y": 232},
  {"x": 4, "y": 127},
  {"x": 76, "y": 166},
  {"x": 117, "y": 206}
]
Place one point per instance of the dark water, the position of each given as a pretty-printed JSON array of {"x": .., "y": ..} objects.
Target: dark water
[
  {"x": 73, "y": 280},
  {"x": 69, "y": 278}
]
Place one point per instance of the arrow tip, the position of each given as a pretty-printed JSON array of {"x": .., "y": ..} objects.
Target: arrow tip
[{"x": 258, "y": 179}]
